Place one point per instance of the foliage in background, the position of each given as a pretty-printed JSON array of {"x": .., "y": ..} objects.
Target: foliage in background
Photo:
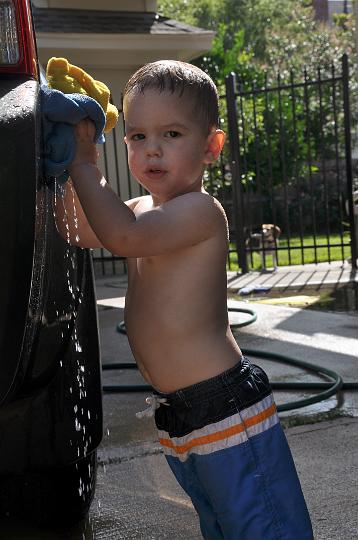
[{"x": 277, "y": 35}]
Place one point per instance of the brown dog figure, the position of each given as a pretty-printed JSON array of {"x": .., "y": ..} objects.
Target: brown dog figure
[{"x": 265, "y": 243}]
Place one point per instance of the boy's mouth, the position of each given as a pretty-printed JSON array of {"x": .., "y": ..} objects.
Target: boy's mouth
[{"x": 154, "y": 172}]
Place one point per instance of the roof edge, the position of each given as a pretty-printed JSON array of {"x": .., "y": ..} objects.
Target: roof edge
[{"x": 126, "y": 14}]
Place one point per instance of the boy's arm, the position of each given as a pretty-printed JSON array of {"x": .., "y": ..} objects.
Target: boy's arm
[
  {"x": 71, "y": 221},
  {"x": 182, "y": 222},
  {"x": 179, "y": 223}
]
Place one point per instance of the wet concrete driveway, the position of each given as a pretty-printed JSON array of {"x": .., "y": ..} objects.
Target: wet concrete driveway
[{"x": 138, "y": 499}]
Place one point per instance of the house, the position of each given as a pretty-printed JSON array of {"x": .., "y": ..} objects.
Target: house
[{"x": 110, "y": 39}]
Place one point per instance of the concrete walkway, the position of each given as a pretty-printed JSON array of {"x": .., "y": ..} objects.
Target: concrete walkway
[
  {"x": 295, "y": 277},
  {"x": 138, "y": 499}
]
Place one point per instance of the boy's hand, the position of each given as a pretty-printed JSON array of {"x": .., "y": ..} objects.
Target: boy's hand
[{"x": 86, "y": 151}]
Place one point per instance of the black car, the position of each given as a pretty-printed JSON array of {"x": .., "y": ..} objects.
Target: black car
[{"x": 50, "y": 378}]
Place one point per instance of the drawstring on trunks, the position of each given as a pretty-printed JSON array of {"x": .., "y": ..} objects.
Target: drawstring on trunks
[{"x": 153, "y": 401}]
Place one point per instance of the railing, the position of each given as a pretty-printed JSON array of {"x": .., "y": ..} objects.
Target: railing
[{"x": 291, "y": 166}]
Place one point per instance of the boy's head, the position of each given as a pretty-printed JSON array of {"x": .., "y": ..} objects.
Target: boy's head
[
  {"x": 171, "y": 124},
  {"x": 184, "y": 80}
]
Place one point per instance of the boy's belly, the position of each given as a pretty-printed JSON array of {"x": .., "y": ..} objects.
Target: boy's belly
[
  {"x": 175, "y": 352},
  {"x": 176, "y": 320}
]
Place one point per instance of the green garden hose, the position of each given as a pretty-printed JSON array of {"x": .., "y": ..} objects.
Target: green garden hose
[{"x": 327, "y": 388}]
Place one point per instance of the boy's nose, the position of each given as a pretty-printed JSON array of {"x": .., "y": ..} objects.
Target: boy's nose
[{"x": 153, "y": 149}]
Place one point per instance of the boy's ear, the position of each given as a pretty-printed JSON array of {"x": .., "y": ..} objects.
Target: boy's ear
[{"x": 214, "y": 145}]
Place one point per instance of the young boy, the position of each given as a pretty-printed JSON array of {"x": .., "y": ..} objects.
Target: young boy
[{"x": 215, "y": 413}]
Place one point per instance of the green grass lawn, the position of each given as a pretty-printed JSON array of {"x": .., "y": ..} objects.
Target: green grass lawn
[{"x": 335, "y": 253}]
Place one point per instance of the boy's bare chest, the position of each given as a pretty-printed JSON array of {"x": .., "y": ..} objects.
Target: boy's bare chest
[
  {"x": 165, "y": 272},
  {"x": 153, "y": 268}
]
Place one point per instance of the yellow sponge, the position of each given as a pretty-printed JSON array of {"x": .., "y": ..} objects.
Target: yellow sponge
[{"x": 69, "y": 79}]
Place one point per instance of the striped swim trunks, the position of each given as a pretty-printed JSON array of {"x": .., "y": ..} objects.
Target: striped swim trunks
[{"x": 224, "y": 443}]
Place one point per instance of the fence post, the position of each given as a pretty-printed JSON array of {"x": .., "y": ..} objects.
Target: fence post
[
  {"x": 234, "y": 139},
  {"x": 347, "y": 138}
]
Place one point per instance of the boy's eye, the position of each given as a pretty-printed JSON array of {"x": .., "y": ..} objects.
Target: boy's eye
[
  {"x": 137, "y": 137},
  {"x": 172, "y": 134}
]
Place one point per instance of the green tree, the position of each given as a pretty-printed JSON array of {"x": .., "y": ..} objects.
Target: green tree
[{"x": 281, "y": 34}]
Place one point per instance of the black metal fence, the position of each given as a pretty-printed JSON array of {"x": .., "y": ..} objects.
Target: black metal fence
[{"x": 290, "y": 165}]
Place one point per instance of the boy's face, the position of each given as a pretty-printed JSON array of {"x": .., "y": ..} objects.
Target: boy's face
[{"x": 167, "y": 146}]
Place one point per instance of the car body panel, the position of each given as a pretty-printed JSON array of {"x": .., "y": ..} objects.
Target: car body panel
[
  {"x": 50, "y": 377},
  {"x": 19, "y": 164}
]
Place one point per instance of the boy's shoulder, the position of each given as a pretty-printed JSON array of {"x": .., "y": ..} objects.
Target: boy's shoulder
[
  {"x": 196, "y": 198},
  {"x": 199, "y": 201},
  {"x": 200, "y": 211}
]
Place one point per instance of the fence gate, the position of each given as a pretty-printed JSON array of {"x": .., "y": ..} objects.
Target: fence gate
[{"x": 291, "y": 166}]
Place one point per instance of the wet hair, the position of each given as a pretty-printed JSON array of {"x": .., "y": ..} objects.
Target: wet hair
[{"x": 182, "y": 79}]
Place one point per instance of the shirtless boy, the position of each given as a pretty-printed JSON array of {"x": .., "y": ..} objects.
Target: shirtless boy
[{"x": 215, "y": 412}]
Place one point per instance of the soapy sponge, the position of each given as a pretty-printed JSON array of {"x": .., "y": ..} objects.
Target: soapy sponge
[{"x": 69, "y": 79}]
